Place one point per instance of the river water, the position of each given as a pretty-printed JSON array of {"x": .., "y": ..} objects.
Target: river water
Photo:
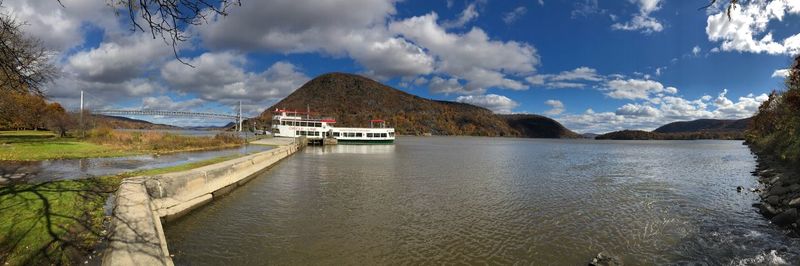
[{"x": 448, "y": 200}]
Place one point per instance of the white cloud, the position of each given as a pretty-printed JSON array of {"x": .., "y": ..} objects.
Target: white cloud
[
  {"x": 497, "y": 103},
  {"x": 514, "y": 15},
  {"x": 167, "y": 103},
  {"x": 744, "y": 30},
  {"x": 221, "y": 77},
  {"x": 637, "y": 110},
  {"x": 566, "y": 79},
  {"x": 633, "y": 89},
  {"x": 60, "y": 28},
  {"x": 329, "y": 27},
  {"x": 119, "y": 60},
  {"x": 445, "y": 86},
  {"x": 471, "y": 56},
  {"x": 666, "y": 109},
  {"x": 696, "y": 50},
  {"x": 556, "y": 107},
  {"x": 781, "y": 73},
  {"x": 642, "y": 21},
  {"x": 470, "y": 13}
]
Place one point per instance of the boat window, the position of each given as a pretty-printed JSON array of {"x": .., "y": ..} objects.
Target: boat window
[
  {"x": 369, "y": 135},
  {"x": 359, "y": 135},
  {"x": 283, "y": 123},
  {"x": 335, "y": 134},
  {"x": 383, "y": 135},
  {"x": 391, "y": 134},
  {"x": 297, "y": 133}
]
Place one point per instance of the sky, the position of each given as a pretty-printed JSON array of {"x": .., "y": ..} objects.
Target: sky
[{"x": 595, "y": 66}]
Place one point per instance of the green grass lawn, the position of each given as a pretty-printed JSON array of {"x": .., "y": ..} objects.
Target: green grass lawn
[
  {"x": 60, "y": 222},
  {"x": 43, "y": 145}
]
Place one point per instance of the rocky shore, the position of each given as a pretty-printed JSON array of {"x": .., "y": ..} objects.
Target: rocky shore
[{"x": 779, "y": 191}]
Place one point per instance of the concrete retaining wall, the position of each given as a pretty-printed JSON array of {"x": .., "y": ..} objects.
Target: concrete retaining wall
[{"x": 137, "y": 237}]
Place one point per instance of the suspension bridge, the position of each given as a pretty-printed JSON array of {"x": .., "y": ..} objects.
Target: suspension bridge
[{"x": 148, "y": 112}]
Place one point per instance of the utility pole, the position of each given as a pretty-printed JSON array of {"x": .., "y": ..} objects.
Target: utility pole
[{"x": 81, "y": 117}]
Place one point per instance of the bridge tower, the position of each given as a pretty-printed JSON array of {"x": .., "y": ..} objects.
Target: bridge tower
[{"x": 239, "y": 117}]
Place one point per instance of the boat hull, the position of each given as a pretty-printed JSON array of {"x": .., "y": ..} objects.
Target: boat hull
[{"x": 364, "y": 142}]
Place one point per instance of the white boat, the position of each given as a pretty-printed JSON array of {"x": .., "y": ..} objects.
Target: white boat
[{"x": 292, "y": 124}]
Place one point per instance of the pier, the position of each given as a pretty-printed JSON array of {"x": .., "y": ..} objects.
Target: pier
[{"x": 142, "y": 203}]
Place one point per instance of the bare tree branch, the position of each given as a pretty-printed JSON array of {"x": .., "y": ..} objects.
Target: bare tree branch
[
  {"x": 731, "y": 6},
  {"x": 24, "y": 62},
  {"x": 168, "y": 18}
]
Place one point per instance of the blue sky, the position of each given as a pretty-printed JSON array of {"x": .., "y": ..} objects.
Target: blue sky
[{"x": 596, "y": 66}]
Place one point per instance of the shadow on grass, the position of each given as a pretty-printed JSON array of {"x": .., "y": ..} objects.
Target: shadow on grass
[{"x": 58, "y": 222}]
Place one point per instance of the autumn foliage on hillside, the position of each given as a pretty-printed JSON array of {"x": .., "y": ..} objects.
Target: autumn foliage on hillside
[
  {"x": 776, "y": 127},
  {"x": 354, "y": 100}
]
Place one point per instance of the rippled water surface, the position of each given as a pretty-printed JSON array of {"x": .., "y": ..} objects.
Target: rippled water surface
[{"x": 491, "y": 200}]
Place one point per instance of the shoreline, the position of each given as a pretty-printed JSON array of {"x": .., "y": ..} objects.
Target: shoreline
[{"x": 779, "y": 190}]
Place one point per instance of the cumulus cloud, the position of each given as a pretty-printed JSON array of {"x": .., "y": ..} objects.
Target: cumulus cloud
[
  {"x": 636, "y": 110},
  {"x": 61, "y": 28},
  {"x": 514, "y": 15},
  {"x": 744, "y": 30},
  {"x": 221, "y": 77},
  {"x": 497, "y": 103},
  {"x": 643, "y": 21},
  {"x": 633, "y": 89},
  {"x": 472, "y": 56},
  {"x": 556, "y": 107},
  {"x": 167, "y": 103},
  {"x": 658, "y": 111},
  {"x": 120, "y": 60},
  {"x": 329, "y": 27},
  {"x": 445, "y": 86}
]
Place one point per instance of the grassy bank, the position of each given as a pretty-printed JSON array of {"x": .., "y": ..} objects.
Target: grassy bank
[
  {"x": 43, "y": 145},
  {"x": 103, "y": 142},
  {"x": 61, "y": 222}
]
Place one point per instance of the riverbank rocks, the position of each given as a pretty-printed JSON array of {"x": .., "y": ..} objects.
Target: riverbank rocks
[
  {"x": 795, "y": 202},
  {"x": 785, "y": 218},
  {"x": 767, "y": 210},
  {"x": 605, "y": 260},
  {"x": 780, "y": 193}
]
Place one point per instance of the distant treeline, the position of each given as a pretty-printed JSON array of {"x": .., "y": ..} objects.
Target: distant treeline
[
  {"x": 646, "y": 135},
  {"x": 23, "y": 110},
  {"x": 776, "y": 127}
]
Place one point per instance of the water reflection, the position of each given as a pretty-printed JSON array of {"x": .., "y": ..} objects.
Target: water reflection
[{"x": 48, "y": 170}]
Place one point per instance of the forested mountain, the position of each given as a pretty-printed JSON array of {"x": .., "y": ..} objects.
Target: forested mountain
[{"x": 354, "y": 100}]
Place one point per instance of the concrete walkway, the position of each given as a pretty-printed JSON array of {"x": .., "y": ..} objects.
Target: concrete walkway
[
  {"x": 137, "y": 237},
  {"x": 274, "y": 141}
]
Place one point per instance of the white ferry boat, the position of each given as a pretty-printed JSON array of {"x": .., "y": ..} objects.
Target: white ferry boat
[{"x": 292, "y": 124}]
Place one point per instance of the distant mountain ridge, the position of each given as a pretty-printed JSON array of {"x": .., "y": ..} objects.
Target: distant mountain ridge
[
  {"x": 710, "y": 125},
  {"x": 353, "y": 100},
  {"x": 120, "y": 122},
  {"x": 695, "y": 129}
]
